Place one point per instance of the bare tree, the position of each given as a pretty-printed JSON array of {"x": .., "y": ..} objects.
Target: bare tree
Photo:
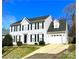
[{"x": 70, "y": 11}]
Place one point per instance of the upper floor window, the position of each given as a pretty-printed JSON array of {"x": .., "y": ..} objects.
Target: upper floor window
[
  {"x": 25, "y": 27},
  {"x": 18, "y": 27},
  {"x": 14, "y": 28},
  {"x": 40, "y": 25},
  {"x": 33, "y": 26},
  {"x": 22, "y": 27},
  {"x": 11, "y": 28},
  {"x": 33, "y": 38}
]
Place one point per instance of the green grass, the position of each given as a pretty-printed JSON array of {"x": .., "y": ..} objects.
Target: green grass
[
  {"x": 70, "y": 53},
  {"x": 19, "y": 52}
]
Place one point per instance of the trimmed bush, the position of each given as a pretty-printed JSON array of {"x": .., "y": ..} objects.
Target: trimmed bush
[
  {"x": 41, "y": 43},
  {"x": 74, "y": 40},
  {"x": 19, "y": 43},
  {"x": 36, "y": 43},
  {"x": 7, "y": 41}
]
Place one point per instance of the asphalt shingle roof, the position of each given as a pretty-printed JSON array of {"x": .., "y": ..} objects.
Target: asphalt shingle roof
[
  {"x": 36, "y": 19},
  {"x": 62, "y": 26}
]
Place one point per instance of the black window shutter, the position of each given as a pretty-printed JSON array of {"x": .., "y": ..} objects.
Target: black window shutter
[
  {"x": 42, "y": 37},
  {"x": 28, "y": 26},
  {"x": 35, "y": 37},
  {"x": 31, "y": 26},
  {"x": 20, "y": 28},
  {"x": 38, "y": 25},
  {"x": 38, "y": 37},
  {"x": 35, "y": 25},
  {"x": 42, "y": 24},
  {"x": 16, "y": 38},
  {"x": 30, "y": 38},
  {"x": 16, "y": 28}
]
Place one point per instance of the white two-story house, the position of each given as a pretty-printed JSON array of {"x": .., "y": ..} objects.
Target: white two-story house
[{"x": 43, "y": 28}]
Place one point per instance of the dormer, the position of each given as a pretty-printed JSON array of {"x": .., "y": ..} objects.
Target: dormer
[{"x": 56, "y": 23}]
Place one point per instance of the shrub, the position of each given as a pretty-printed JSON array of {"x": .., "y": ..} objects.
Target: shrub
[
  {"x": 41, "y": 43},
  {"x": 7, "y": 41},
  {"x": 36, "y": 43},
  {"x": 19, "y": 43},
  {"x": 74, "y": 40}
]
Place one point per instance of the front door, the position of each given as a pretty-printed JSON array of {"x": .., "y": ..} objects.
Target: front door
[{"x": 25, "y": 38}]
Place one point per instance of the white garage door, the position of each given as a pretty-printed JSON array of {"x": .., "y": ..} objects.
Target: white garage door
[{"x": 56, "y": 39}]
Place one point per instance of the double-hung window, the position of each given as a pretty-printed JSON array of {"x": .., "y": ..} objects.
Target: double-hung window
[
  {"x": 11, "y": 28},
  {"x": 22, "y": 27},
  {"x": 33, "y": 37},
  {"x": 19, "y": 38},
  {"x": 14, "y": 39},
  {"x": 40, "y": 25},
  {"x": 33, "y": 26},
  {"x": 40, "y": 37},
  {"x": 25, "y": 27}
]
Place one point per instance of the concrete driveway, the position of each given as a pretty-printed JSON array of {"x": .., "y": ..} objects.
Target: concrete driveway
[{"x": 51, "y": 49}]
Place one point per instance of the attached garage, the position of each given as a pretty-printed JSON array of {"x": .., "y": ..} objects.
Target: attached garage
[{"x": 57, "y": 32}]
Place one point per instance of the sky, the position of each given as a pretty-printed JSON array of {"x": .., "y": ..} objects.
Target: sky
[{"x": 15, "y": 10}]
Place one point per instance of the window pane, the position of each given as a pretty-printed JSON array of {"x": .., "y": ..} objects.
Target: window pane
[
  {"x": 33, "y": 26},
  {"x": 33, "y": 38},
  {"x": 40, "y": 37},
  {"x": 11, "y": 28},
  {"x": 40, "y": 25},
  {"x": 19, "y": 38}
]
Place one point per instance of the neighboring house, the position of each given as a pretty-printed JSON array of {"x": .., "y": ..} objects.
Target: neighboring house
[{"x": 44, "y": 28}]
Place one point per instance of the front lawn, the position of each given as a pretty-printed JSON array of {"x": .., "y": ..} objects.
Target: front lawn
[
  {"x": 70, "y": 53},
  {"x": 18, "y": 52}
]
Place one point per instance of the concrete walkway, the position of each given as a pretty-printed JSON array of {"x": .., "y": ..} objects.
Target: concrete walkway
[{"x": 49, "y": 49}]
